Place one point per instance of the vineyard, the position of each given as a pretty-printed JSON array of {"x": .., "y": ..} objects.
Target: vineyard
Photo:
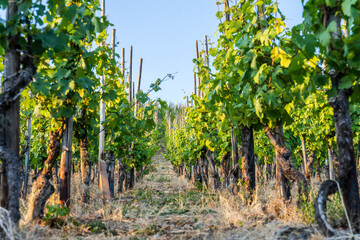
[{"x": 266, "y": 147}]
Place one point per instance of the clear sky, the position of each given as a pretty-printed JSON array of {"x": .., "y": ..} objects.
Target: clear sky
[{"x": 163, "y": 33}]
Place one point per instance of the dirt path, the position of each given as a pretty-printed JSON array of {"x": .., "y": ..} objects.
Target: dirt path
[
  {"x": 164, "y": 206},
  {"x": 168, "y": 207}
]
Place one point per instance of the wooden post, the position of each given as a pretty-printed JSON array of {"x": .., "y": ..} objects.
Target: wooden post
[
  {"x": 303, "y": 146},
  {"x": 227, "y": 7},
  {"x": 331, "y": 165},
  {"x": 207, "y": 51},
  {"x": 65, "y": 164},
  {"x": 110, "y": 155},
  {"x": 195, "y": 84},
  {"x": 198, "y": 56},
  {"x": 130, "y": 88},
  {"x": 130, "y": 75},
  {"x": 138, "y": 87},
  {"x": 169, "y": 123},
  {"x": 133, "y": 90},
  {"x": 103, "y": 178},
  {"x": 103, "y": 8},
  {"x": 27, "y": 159},
  {"x": 123, "y": 63},
  {"x": 113, "y": 42},
  {"x": 234, "y": 147},
  {"x": 140, "y": 73}
]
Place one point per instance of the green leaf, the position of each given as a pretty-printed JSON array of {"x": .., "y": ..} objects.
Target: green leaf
[
  {"x": 243, "y": 41},
  {"x": 356, "y": 94},
  {"x": 321, "y": 80},
  {"x": 325, "y": 38},
  {"x": 346, "y": 81},
  {"x": 332, "y": 27},
  {"x": 70, "y": 14},
  {"x": 51, "y": 40},
  {"x": 112, "y": 95},
  {"x": 3, "y": 4},
  {"x": 346, "y": 7},
  {"x": 98, "y": 25},
  {"x": 258, "y": 108},
  {"x": 142, "y": 97}
]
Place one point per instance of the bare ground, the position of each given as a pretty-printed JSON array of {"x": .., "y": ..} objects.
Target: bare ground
[{"x": 164, "y": 206}]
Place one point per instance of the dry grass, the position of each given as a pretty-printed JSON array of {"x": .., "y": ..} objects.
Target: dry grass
[
  {"x": 6, "y": 224},
  {"x": 164, "y": 206}
]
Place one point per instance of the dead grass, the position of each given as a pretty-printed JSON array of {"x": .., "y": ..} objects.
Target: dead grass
[{"x": 164, "y": 206}]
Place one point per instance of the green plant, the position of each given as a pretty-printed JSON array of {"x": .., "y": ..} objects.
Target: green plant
[
  {"x": 56, "y": 211},
  {"x": 163, "y": 179},
  {"x": 96, "y": 226},
  {"x": 306, "y": 207}
]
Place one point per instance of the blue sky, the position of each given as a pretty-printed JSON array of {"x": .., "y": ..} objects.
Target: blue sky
[{"x": 163, "y": 33}]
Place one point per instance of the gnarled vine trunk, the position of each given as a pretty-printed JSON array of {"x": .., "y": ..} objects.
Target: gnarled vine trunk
[
  {"x": 285, "y": 169},
  {"x": 214, "y": 179},
  {"x": 204, "y": 179},
  {"x": 122, "y": 176},
  {"x": 225, "y": 169},
  {"x": 327, "y": 188},
  {"x": 247, "y": 159},
  {"x": 347, "y": 166},
  {"x": 346, "y": 176},
  {"x": 14, "y": 82},
  {"x": 132, "y": 178},
  {"x": 110, "y": 168},
  {"x": 42, "y": 189}
]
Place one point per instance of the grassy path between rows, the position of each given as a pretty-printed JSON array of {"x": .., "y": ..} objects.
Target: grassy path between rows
[{"x": 165, "y": 206}]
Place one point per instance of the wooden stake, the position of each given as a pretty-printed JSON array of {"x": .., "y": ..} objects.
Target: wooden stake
[
  {"x": 123, "y": 63},
  {"x": 130, "y": 75},
  {"x": 234, "y": 148},
  {"x": 27, "y": 158},
  {"x": 113, "y": 43},
  {"x": 227, "y": 7},
  {"x": 103, "y": 8},
  {"x": 207, "y": 50},
  {"x": 198, "y": 56},
  {"x": 195, "y": 84},
  {"x": 103, "y": 178},
  {"x": 65, "y": 164},
  {"x": 331, "y": 165},
  {"x": 138, "y": 86},
  {"x": 140, "y": 73},
  {"x": 133, "y": 90},
  {"x": 130, "y": 88},
  {"x": 303, "y": 146}
]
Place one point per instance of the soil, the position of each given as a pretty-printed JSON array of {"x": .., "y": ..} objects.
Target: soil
[{"x": 165, "y": 206}]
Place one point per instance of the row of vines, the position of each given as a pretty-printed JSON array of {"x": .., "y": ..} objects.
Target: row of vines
[
  {"x": 56, "y": 69},
  {"x": 276, "y": 103}
]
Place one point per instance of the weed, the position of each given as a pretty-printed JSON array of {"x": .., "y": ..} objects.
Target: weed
[
  {"x": 150, "y": 230},
  {"x": 306, "y": 209},
  {"x": 163, "y": 179},
  {"x": 55, "y": 216},
  {"x": 55, "y": 211},
  {"x": 335, "y": 210},
  {"x": 175, "y": 212},
  {"x": 96, "y": 226}
]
